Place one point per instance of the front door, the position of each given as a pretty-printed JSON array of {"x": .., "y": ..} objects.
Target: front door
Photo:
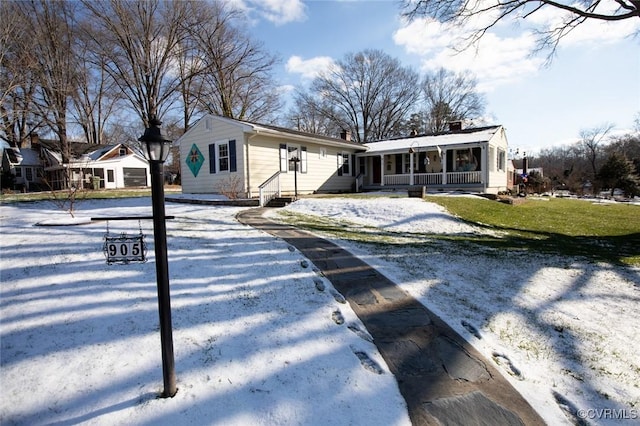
[{"x": 377, "y": 165}]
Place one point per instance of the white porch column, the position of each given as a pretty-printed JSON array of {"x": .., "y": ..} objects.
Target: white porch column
[
  {"x": 443, "y": 159},
  {"x": 411, "y": 157},
  {"x": 382, "y": 170},
  {"x": 484, "y": 165}
]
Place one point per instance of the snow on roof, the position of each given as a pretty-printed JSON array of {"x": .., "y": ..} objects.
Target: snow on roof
[
  {"x": 479, "y": 134},
  {"x": 95, "y": 155},
  {"x": 23, "y": 156}
]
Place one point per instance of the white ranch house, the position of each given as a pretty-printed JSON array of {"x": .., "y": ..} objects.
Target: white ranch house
[
  {"x": 219, "y": 154},
  {"x": 262, "y": 161}
]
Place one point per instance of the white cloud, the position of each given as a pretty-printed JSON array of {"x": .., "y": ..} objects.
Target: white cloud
[
  {"x": 502, "y": 55},
  {"x": 308, "y": 68},
  {"x": 277, "y": 11},
  {"x": 591, "y": 30},
  {"x": 494, "y": 60}
]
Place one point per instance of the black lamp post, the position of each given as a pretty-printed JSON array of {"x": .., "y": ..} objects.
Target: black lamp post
[
  {"x": 156, "y": 150},
  {"x": 295, "y": 161}
]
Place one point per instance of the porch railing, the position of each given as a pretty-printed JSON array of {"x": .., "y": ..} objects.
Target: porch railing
[
  {"x": 270, "y": 189},
  {"x": 453, "y": 178},
  {"x": 427, "y": 179},
  {"x": 456, "y": 178},
  {"x": 392, "y": 180}
]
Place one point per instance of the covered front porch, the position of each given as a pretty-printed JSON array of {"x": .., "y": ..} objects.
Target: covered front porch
[{"x": 436, "y": 168}]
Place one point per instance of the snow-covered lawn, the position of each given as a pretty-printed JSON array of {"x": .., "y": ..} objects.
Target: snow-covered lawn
[
  {"x": 254, "y": 338},
  {"x": 565, "y": 330}
]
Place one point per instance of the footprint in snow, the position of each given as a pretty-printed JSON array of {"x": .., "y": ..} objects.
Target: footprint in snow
[
  {"x": 339, "y": 298},
  {"x": 360, "y": 333},
  {"x": 337, "y": 317},
  {"x": 319, "y": 283},
  {"x": 569, "y": 409},
  {"x": 471, "y": 329},
  {"x": 367, "y": 362},
  {"x": 504, "y": 361}
]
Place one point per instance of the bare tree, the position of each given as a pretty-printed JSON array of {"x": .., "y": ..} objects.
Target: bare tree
[
  {"x": 141, "y": 41},
  {"x": 591, "y": 144},
  {"x": 461, "y": 12},
  {"x": 17, "y": 79},
  {"x": 97, "y": 96},
  {"x": 12, "y": 75},
  {"x": 305, "y": 116},
  {"x": 368, "y": 93},
  {"x": 449, "y": 97},
  {"x": 49, "y": 39},
  {"x": 236, "y": 70}
]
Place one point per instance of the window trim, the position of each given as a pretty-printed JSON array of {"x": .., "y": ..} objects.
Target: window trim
[
  {"x": 215, "y": 157},
  {"x": 344, "y": 167},
  {"x": 285, "y": 155},
  {"x": 219, "y": 147}
]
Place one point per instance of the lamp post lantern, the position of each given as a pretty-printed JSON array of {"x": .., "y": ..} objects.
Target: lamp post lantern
[{"x": 156, "y": 150}]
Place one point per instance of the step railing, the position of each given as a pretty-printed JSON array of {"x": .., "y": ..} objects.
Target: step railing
[{"x": 270, "y": 189}]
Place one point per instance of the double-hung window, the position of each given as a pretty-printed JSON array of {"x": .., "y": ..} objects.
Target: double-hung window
[
  {"x": 344, "y": 164},
  {"x": 222, "y": 157},
  {"x": 502, "y": 160},
  {"x": 292, "y": 154}
]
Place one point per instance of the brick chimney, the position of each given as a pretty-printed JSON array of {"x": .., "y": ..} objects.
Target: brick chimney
[
  {"x": 35, "y": 140},
  {"x": 345, "y": 135},
  {"x": 32, "y": 141},
  {"x": 455, "y": 126}
]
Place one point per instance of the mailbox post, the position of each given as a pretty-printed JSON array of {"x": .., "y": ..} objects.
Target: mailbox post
[{"x": 156, "y": 149}]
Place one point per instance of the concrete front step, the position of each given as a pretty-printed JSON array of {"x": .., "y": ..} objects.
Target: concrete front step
[{"x": 280, "y": 202}]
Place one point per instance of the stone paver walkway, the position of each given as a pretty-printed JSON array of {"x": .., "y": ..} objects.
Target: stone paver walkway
[{"x": 443, "y": 379}]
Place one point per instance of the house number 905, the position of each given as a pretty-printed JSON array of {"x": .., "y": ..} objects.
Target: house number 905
[{"x": 124, "y": 249}]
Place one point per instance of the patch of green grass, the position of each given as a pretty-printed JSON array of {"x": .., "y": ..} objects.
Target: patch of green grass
[
  {"x": 563, "y": 216},
  {"x": 601, "y": 232},
  {"x": 82, "y": 195}
]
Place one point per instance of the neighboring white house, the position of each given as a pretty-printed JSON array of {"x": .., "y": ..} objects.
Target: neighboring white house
[
  {"x": 220, "y": 154},
  {"x": 473, "y": 159},
  {"x": 38, "y": 165}
]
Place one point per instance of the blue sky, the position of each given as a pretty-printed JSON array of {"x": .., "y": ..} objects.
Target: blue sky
[{"x": 594, "y": 78}]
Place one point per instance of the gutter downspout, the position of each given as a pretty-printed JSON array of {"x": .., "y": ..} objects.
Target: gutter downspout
[{"x": 247, "y": 162}]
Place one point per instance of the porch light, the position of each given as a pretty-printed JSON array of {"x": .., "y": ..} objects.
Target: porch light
[{"x": 156, "y": 145}]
